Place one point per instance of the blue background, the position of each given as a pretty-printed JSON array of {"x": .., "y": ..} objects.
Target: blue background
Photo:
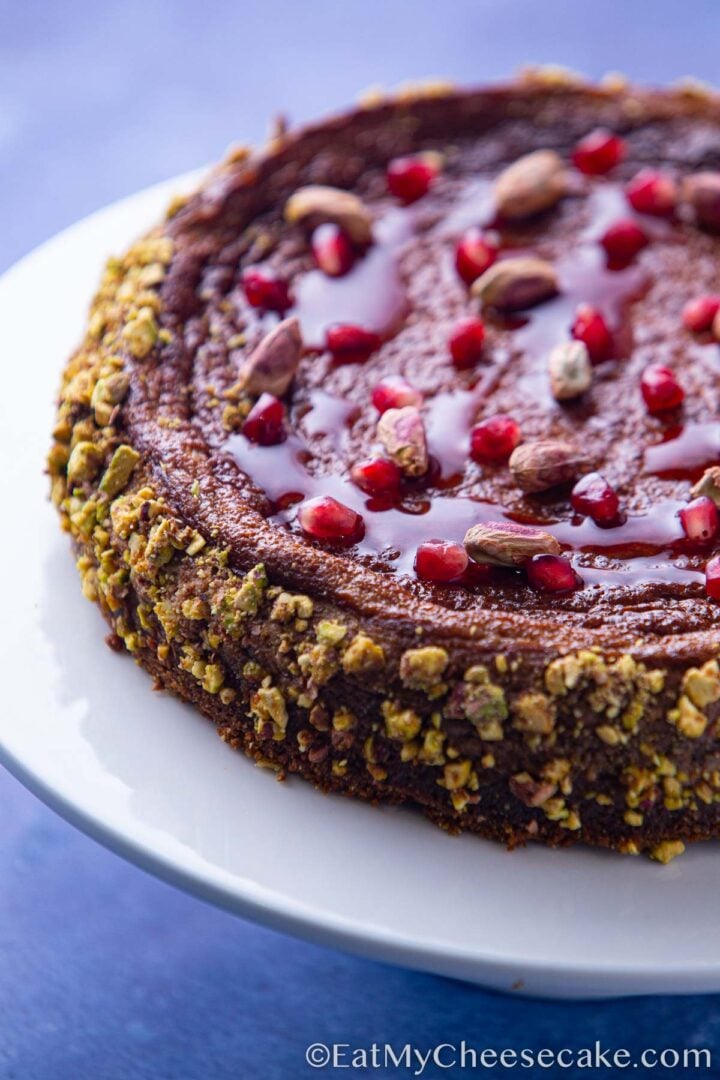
[{"x": 104, "y": 972}]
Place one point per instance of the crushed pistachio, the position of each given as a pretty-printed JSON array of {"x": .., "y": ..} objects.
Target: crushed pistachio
[
  {"x": 330, "y": 633},
  {"x": 140, "y": 333},
  {"x": 288, "y": 606},
  {"x": 480, "y": 701},
  {"x": 268, "y": 705},
  {"x": 422, "y": 669},
  {"x": 667, "y": 850},
  {"x": 240, "y": 598},
  {"x": 213, "y": 678},
  {"x": 457, "y": 774},
  {"x": 195, "y": 608},
  {"x": 687, "y": 718},
  {"x": 343, "y": 720},
  {"x": 119, "y": 470},
  {"x": 108, "y": 393},
  {"x": 702, "y": 685},
  {"x": 610, "y": 735},
  {"x": 197, "y": 543},
  {"x": 534, "y": 712},
  {"x": 84, "y": 462},
  {"x": 400, "y": 723},
  {"x": 318, "y": 664},
  {"x": 363, "y": 656}
]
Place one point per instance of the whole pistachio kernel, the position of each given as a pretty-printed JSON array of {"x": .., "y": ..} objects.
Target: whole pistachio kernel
[
  {"x": 319, "y": 204},
  {"x": 708, "y": 485},
  {"x": 570, "y": 370},
  {"x": 516, "y": 283},
  {"x": 402, "y": 433},
  {"x": 702, "y": 192},
  {"x": 506, "y": 543},
  {"x": 271, "y": 366},
  {"x": 538, "y": 466},
  {"x": 534, "y": 183}
]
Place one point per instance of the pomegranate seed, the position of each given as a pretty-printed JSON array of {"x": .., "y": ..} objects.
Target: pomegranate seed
[
  {"x": 700, "y": 520},
  {"x": 376, "y": 476},
  {"x": 623, "y": 240},
  {"x": 590, "y": 328},
  {"x": 712, "y": 578},
  {"x": 652, "y": 192},
  {"x": 351, "y": 344},
  {"x": 494, "y": 439},
  {"x": 394, "y": 393},
  {"x": 598, "y": 152},
  {"x": 264, "y": 290},
  {"x": 592, "y": 495},
  {"x": 333, "y": 250},
  {"x": 264, "y": 423},
  {"x": 478, "y": 574},
  {"x": 409, "y": 178},
  {"x": 466, "y": 342},
  {"x": 660, "y": 388},
  {"x": 324, "y": 518},
  {"x": 551, "y": 573},
  {"x": 440, "y": 560},
  {"x": 698, "y": 314},
  {"x": 474, "y": 253}
]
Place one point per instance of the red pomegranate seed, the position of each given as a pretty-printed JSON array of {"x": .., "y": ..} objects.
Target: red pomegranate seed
[
  {"x": 660, "y": 388},
  {"x": 333, "y": 250},
  {"x": 474, "y": 253},
  {"x": 590, "y": 328},
  {"x": 700, "y": 520},
  {"x": 394, "y": 393},
  {"x": 493, "y": 440},
  {"x": 263, "y": 290},
  {"x": 440, "y": 560},
  {"x": 652, "y": 192},
  {"x": 376, "y": 476},
  {"x": 623, "y": 240},
  {"x": 698, "y": 314},
  {"x": 598, "y": 152},
  {"x": 264, "y": 423},
  {"x": 409, "y": 178},
  {"x": 593, "y": 496},
  {"x": 324, "y": 518},
  {"x": 351, "y": 344},
  {"x": 478, "y": 574},
  {"x": 712, "y": 578},
  {"x": 551, "y": 573},
  {"x": 466, "y": 342}
]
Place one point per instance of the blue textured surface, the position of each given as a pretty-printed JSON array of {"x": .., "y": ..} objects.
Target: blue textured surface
[{"x": 104, "y": 972}]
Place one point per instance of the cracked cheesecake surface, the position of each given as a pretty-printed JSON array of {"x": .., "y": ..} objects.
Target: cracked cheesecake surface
[{"x": 395, "y": 449}]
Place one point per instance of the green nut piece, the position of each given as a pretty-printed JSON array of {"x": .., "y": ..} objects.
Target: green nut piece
[
  {"x": 141, "y": 332},
  {"x": 119, "y": 470},
  {"x": 108, "y": 393},
  {"x": 84, "y": 462}
]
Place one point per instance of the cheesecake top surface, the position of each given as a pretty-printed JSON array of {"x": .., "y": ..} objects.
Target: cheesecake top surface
[{"x": 362, "y": 316}]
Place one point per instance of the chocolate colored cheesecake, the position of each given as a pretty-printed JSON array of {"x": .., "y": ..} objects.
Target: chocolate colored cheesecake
[{"x": 396, "y": 450}]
